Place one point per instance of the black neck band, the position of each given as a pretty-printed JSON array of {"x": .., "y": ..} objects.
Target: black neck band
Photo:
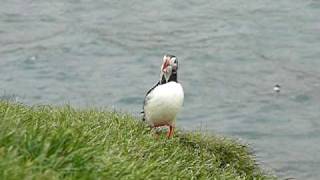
[{"x": 173, "y": 77}]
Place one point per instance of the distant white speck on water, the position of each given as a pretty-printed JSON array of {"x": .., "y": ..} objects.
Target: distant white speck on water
[
  {"x": 276, "y": 88},
  {"x": 33, "y": 58}
]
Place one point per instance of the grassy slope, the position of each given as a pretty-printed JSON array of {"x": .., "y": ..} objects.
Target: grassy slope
[{"x": 46, "y": 142}]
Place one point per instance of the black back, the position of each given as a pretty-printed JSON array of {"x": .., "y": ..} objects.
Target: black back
[{"x": 146, "y": 98}]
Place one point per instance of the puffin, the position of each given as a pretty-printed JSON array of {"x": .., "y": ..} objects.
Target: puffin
[{"x": 165, "y": 99}]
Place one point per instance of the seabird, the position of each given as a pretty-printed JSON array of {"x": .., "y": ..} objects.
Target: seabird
[
  {"x": 164, "y": 100},
  {"x": 276, "y": 88}
]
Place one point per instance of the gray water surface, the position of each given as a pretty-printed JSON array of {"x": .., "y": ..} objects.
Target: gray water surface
[{"x": 108, "y": 54}]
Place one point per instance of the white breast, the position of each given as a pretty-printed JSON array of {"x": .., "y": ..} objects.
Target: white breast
[{"x": 163, "y": 104}]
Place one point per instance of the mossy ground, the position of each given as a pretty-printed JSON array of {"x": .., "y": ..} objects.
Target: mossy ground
[{"x": 45, "y": 142}]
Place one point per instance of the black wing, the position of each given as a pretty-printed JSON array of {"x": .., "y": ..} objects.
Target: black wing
[{"x": 146, "y": 99}]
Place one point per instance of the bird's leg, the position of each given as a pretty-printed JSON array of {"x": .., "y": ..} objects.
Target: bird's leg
[
  {"x": 170, "y": 132},
  {"x": 156, "y": 131}
]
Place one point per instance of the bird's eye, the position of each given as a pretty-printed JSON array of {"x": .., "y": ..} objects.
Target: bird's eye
[{"x": 175, "y": 60}]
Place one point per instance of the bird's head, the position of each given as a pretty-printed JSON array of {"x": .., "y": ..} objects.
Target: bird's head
[{"x": 169, "y": 68}]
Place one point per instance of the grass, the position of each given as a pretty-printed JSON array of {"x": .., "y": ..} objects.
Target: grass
[{"x": 44, "y": 142}]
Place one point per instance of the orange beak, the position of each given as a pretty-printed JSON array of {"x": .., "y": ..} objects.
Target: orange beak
[{"x": 165, "y": 65}]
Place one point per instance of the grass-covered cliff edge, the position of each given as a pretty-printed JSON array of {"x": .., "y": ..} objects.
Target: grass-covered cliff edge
[{"x": 44, "y": 142}]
